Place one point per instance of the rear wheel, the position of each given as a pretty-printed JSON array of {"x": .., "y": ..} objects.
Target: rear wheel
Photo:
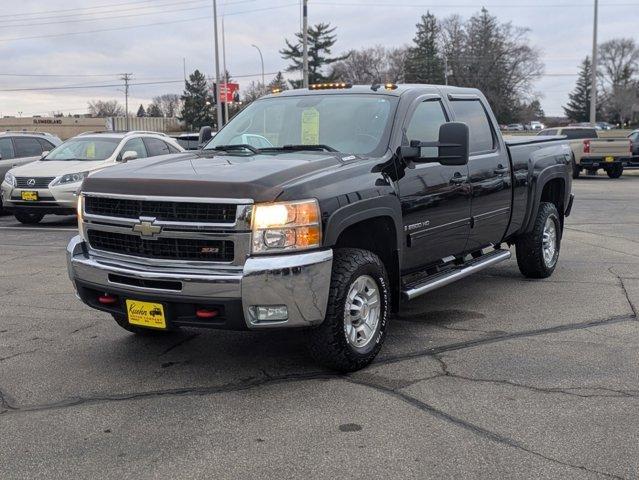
[
  {"x": 538, "y": 250},
  {"x": 28, "y": 218},
  {"x": 357, "y": 314},
  {"x": 615, "y": 171},
  {"x": 122, "y": 321}
]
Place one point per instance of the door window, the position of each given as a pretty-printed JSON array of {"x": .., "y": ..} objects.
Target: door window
[
  {"x": 46, "y": 145},
  {"x": 135, "y": 145},
  {"x": 6, "y": 148},
  {"x": 156, "y": 147},
  {"x": 424, "y": 125},
  {"x": 27, "y": 147},
  {"x": 473, "y": 114}
]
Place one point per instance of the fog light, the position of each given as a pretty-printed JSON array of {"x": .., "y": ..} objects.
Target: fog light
[{"x": 270, "y": 313}]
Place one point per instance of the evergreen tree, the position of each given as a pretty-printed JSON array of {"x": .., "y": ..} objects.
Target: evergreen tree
[
  {"x": 320, "y": 43},
  {"x": 153, "y": 110},
  {"x": 197, "y": 107},
  {"x": 578, "y": 107},
  {"x": 424, "y": 63},
  {"x": 278, "y": 83},
  {"x": 141, "y": 111}
]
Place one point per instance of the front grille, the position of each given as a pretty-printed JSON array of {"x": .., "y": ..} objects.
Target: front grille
[
  {"x": 160, "y": 210},
  {"x": 163, "y": 248},
  {"x": 34, "y": 182}
]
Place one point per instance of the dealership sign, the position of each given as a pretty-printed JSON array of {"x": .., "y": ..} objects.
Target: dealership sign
[{"x": 229, "y": 92}]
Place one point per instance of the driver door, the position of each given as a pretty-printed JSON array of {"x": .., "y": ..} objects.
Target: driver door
[{"x": 435, "y": 198}]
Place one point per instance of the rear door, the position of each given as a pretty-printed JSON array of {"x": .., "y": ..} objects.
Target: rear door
[
  {"x": 27, "y": 150},
  {"x": 489, "y": 173},
  {"x": 6, "y": 156},
  {"x": 155, "y": 147},
  {"x": 434, "y": 198}
]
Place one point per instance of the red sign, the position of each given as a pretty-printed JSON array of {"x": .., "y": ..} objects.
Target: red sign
[{"x": 227, "y": 91}]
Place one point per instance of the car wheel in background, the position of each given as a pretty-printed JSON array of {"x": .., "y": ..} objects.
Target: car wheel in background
[
  {"x": 538, "y": 250},
  {"x": 615, "y": 172},
  {"x": 28, "y": 218}
]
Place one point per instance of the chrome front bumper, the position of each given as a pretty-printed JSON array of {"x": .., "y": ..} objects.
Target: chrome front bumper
[{"x": 299, "y": 281}]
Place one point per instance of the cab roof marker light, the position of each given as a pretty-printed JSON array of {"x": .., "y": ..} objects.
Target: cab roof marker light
[
  {"x": 326, "y": 86},
  {"x": 390, "y": 86}
]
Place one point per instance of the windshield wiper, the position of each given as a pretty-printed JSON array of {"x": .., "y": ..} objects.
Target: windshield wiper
[
  {"x": 230, "y": 148},
  {"x": 296, "y": 148}
]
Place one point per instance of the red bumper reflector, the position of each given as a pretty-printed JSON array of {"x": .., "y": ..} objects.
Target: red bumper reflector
[
  {"x": 107, "y": 299},
  {"x": 204, "y": 313}
]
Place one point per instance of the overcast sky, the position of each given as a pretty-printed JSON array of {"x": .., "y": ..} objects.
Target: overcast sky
[{"x": 151, "y": 38}]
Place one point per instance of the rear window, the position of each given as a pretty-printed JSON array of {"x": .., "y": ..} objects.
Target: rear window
[
  {"x": 579, "y": 133},
  {"x": 27, "y": 147},
  {"x": 473, "y": 114}
]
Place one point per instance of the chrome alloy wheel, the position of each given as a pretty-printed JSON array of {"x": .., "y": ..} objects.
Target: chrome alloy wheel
[
  {"x": 549, "y": 242},
  {"x": 362, "y": 311}
]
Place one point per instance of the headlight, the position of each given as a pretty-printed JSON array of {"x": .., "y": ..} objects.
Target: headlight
[
  {"x": 70, "y": 178},
  {"x": 10, "y": 179},
  {"x": 80, "y": 210},
  {"x": 286, "y": 226}
]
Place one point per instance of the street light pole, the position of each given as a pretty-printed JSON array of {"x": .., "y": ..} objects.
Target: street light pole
[
  {"x": 593, "y": 81},
  {"x": 226, "y": 78},
  {"x": 262, "y": 61},
  {"x": 218, "y": 105},
  {"x": 305, "y": 43}
]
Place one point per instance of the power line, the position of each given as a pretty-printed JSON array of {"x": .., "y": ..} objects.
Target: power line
[
  {"x": 109, "y": 6},
  {"x": 68, "y": 75},
  {"x": 445, "y": 5}
]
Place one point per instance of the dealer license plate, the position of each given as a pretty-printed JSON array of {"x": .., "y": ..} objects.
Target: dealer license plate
[
  {"x": 145, "y": 314},
  {"x": 609, "y": 159},
  {"x": 29, "y": 196}
]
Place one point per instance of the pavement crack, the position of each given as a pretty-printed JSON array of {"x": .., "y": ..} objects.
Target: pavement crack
[
  {"x": 471, "y": 427},
  {"x": 2, "y": 359},
  {"x": 600, "y": 234},
  {"x": 85, "y": 327},
  {"x": 180, "y": 343},
  {"x": 625, "y": 291}
]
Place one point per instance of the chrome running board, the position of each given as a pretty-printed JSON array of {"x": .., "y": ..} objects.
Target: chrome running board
[{"x": 444, "y": 278}]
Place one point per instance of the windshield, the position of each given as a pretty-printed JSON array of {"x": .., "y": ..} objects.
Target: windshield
[
  {"x": 84, "y": 148},
  {"x": 349, "y": 123}
]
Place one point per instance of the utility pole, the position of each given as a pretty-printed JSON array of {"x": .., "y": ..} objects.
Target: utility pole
[
  {"x": 226, "y": 78},
  {"x": 446, "y": 69},
  {"x": 305, "y": 42},
  {"x": 126, "y": 77},
  {"x": 593, "y": 82},
  {"x": 218, "y": 104},
  {"x": 184, "y": 67}
]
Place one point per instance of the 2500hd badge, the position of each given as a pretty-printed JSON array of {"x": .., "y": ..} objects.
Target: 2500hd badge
[{"x": 331, "y": 207}]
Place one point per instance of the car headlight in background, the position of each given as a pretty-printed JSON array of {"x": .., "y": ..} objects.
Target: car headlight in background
[
  {"x": 70, "y": 178},
  {"x": 286, "y": 226},
  {"x": 10, "y": 179}
]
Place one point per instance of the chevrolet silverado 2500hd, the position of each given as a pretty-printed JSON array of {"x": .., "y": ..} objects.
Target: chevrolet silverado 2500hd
[{"x": 358, "y": 198}]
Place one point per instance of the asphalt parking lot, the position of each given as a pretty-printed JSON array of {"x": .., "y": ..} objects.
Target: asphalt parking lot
[{"x": 495, "y": 376}]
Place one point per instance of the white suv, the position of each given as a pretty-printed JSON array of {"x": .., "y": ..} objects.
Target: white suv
[{"x": 49, "y": 186}]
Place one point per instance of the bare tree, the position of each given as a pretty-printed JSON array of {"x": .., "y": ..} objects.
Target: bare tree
[
  {"x": 105, "y": 108},
  {"x": 254, "y": 91},
  {"x": 169, "y": 104},
  {"x": 619, "y": 63},
  {"x": 371, "y": 65}
]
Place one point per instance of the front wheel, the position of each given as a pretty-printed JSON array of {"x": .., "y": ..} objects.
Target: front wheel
[
  {"x": 357, "y": 313},
  {"x": 538, "y": 250},
  {"x": 615, "y": 172},
  {"x": 28, "y": 218}
]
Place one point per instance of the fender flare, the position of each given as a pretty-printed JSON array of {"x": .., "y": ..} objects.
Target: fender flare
[{"x": 537, "y": 187}]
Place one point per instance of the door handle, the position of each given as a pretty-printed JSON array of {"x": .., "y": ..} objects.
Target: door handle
[
  {"x": 458, "y": 179},
  {"x": 500, "y": 170}
]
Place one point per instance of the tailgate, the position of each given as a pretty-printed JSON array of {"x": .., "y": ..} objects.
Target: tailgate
[{"x": 617, "y": 147}]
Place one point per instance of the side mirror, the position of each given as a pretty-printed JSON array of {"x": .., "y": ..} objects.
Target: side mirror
[
  {"x": 453, "y": 146},
  {"x": 129, "y": 155},
  {"x": 206, "y": 134},
  {"x": 44, "y": 154}
]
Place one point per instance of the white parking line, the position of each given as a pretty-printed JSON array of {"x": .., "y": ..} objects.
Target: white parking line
[{"x": 41, "y": 228}]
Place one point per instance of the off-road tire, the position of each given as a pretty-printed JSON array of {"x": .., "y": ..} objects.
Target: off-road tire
[
  {"x": 529, "y": 246},
  {"x": 141, "y": 331},
  {"x": 615, "y": 172},
  {"x": 575, "y": 169},
  {"x": 28, "y": 218},
  {"x": 327, "y": 343}
]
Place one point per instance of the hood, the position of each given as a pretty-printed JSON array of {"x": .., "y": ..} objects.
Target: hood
[
  {"x": 258, "y": 177},
  {"x": 55, "y": 168}
]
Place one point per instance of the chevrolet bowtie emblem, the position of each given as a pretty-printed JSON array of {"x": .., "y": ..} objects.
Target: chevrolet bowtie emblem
[{"x": 147, "y": 228}]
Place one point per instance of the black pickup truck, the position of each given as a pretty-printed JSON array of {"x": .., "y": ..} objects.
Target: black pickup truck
[{"x": 321, "y": 209}]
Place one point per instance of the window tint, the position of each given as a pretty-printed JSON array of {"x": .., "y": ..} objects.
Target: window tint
[
  {"x": 156, "y": 147},
  {"x": 579, "y": 133},
  {"x": 46, "y": 145},
  {"x": 172, "y": 149},
  {"x": 135, "y": 145},
  {"x": 6, "y": 148},
  {"x": 27, "y": 147},
  {"x": 634, "y": 136},
  {"x": 472, "y": 113},
  {"x": 552, "y": 131},
  {"x": 424, "y": 125}
]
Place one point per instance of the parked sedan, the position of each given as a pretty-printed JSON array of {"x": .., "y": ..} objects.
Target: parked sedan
[
  {"x": 49, "y": 186},
  {"x": 515, "y": 127},
  {"x": 20, "y": 148}
]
